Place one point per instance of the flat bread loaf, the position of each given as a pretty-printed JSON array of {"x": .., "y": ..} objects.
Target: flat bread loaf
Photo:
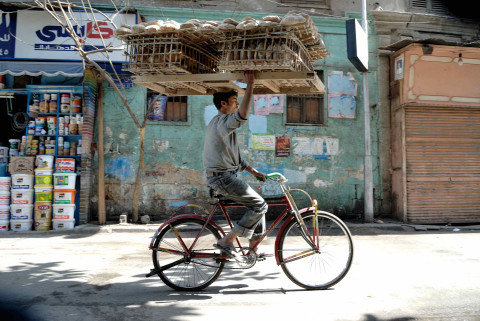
[{"x": 271, "y": 18}]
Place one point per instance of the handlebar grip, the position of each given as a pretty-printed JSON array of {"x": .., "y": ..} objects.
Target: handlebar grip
[{"x": 274, "y": 175}]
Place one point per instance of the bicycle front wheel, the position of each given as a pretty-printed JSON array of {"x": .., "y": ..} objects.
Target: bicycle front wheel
[
  {"x": 186, "y": 270},
  {"x": 325, "y": 264}
]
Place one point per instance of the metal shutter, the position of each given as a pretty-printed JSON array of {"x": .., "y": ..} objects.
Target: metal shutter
[{"x": 443, "y": 164}]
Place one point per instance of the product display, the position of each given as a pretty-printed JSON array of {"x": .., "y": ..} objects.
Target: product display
[{"x": 41, "y": 189}]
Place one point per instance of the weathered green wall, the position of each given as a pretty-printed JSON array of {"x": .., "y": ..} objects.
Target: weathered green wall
[{"x": 173, "y": 153}]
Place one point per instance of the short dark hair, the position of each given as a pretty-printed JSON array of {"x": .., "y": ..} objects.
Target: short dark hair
[{"x": 218, "y": 97}]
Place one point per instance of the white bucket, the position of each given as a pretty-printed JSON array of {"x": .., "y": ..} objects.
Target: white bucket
[
  {"x": 4, "y": 225},
  {"x": 21, "y": 212},
  {"x": 63, "y": 224},
  {"x": 22, "y": 181},
  {"x": 22, "y": 196},
  {"x": 4, "y": 212},
  {"x": 21, "y": 225},
  {"x": 44, "y": 161},
  {"x": 64, "y": 180},
  {"x": 4, "y": 197},
  {"x": 63, "y": 211},
  {"x": 5, "y": 183}
]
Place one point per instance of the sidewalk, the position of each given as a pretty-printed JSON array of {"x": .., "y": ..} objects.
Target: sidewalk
[{"x": 383, "y": 226}]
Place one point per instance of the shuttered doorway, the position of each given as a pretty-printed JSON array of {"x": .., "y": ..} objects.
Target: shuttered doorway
[{"x": 442, "y": 164}]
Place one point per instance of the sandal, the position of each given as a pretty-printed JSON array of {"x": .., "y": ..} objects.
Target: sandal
[{"x": 230, "y": 251}]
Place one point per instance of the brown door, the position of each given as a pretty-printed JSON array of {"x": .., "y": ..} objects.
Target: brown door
[{"x": 442, "y": 164}]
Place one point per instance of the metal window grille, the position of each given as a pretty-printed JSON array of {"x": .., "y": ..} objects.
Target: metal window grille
[
  {"x": 306, "y": 109},
  {"x": 429, "y": 6}
]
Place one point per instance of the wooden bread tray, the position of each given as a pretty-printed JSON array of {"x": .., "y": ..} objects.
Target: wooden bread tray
[{"x": 303, "y": 82}]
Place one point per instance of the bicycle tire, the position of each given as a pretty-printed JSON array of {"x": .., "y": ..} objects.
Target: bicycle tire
[
  {"x": 316, "y": 270},
  {"x": 194, "y": 273}
]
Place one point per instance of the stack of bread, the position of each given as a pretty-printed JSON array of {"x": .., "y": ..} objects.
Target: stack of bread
[{"x": 213, "y": 35}]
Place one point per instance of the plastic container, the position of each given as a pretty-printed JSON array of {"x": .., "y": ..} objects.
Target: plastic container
[
  {"x": 43, "y": 177},
  {"x": 65, "y": 165},
  {"x": 14, "y": 144},
  {"x": 21, "y": 225},
  {"x": 5, "y": 183},
  {"x": 22, "y": 181},
  {"x": 4, "y": 197},
  {"x": 64, "y": 180},
  {"x": 63, "y": 224},
  {"x": 4, "y": 225},
  {"x": 63, "y": 211},
  {"x": 4, "y": 212},
  {"x": 22, "y": 196},
  {"x": 64, "y": 196},
  {"x": 44, "y": 161},
  {"x": 21, "y": 212},
  {"x": 43, "y": 193},
  {"x": 43, "y": 224},
  {"x": 43, "y": 210}
]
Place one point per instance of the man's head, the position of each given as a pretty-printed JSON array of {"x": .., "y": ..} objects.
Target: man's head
[{"x": 226, "y": 101}]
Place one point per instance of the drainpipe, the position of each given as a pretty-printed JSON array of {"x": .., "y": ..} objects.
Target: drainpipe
[{"x": 368, "y": 176}]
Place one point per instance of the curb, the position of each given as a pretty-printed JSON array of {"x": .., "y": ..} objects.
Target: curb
[{"x": 152, "y": 227}]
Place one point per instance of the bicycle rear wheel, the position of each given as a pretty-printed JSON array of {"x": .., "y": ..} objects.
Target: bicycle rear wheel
[
  {"x": 320, "y": 268},
  {"x": 182, "y": 270}
]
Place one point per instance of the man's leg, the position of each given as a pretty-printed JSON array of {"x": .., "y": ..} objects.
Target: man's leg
[{"x": 239, "y": 191}]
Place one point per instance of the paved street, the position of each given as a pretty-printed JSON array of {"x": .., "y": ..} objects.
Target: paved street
[{"x": 98, "y": 274}]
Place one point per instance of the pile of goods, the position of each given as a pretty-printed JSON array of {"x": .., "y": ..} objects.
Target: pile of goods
[
  {"x": 37, "y": 195},
  {"x": 290, "y": 43}
]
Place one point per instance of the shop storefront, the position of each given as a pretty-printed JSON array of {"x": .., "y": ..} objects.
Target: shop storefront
[
  {"x": 47, "y": 106},
  {"x": 435, "y": 134}
]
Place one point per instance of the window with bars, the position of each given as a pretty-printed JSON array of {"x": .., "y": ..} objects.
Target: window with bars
[
  {"x": 306, "y": 109},
  {"x": 318, "y": 4},
  {"x": 429, "y": 6},
  {"x": 167, "y": 109}
]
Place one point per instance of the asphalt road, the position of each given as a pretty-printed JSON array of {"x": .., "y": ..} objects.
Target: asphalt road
[{"x": 98, "y": 274}]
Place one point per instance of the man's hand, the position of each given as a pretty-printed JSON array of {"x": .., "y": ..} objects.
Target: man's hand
[
  {"x": 258, "y": 175},
  {"x": 249, "y": 77}
]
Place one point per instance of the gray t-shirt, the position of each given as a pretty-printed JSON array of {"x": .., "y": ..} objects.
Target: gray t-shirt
[{"x": 221, "y": 152}]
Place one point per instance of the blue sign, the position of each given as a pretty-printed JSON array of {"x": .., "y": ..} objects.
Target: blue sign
[{"x": 8, "y": 30}]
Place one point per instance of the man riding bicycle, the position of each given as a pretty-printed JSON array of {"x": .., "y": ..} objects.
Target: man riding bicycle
[{"x": 222, "y": 162}]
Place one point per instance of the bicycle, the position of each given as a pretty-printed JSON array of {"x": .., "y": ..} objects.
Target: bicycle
[{"x": 314, "y": 248}]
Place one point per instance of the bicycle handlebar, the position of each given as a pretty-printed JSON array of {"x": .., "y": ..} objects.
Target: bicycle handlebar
[{"x": 275, "y": 175}]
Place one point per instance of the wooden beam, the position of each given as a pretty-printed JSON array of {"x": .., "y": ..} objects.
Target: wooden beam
[
  {"x": 238, "y": 76},
  {"x": 318, "y": 84},
  {"x": 270, "y": 85},
  {"x": 202, "y": 90},
  {"x": 158, "y": 88}
]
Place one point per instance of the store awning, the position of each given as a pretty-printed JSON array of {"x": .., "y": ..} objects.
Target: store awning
[{"x": 41, "y": 68}]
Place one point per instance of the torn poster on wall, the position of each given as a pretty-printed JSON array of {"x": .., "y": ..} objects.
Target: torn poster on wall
[
  {"x": 268, "y": 104},
  {"x": 263, "y": 142},
  {"x": 342, "y": 90},
  {"x": 282, "y": 146},
  {"x": 318, "y": 147}
]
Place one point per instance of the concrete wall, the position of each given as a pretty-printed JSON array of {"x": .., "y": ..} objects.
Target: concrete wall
[{"x": 326, "y": 161}]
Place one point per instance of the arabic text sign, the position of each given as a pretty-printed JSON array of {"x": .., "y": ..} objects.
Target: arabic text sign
[
  {"x": 43, "y": 38},
  {"x": 8, "y": 24}
]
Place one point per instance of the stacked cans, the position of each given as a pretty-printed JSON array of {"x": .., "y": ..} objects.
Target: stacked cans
[
  {"x": 4, "y": 203},
  {"x": 21, "y": 209}
]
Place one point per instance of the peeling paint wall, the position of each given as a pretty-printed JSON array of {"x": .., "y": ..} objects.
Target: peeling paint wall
[{"x": 326, "y": 161}]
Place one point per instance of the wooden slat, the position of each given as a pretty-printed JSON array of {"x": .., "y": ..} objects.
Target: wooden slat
[{"x": 206, "y": 84}]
